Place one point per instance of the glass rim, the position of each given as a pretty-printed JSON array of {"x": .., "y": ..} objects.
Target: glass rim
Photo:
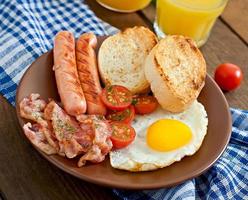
[{"x": 199, "y": 9}]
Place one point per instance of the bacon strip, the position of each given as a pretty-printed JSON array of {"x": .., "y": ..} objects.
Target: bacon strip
[
  {"x": 101, "y": 143},
  {"x": 72, "y": 139},
  {"x": 47, "y": 130},
  {"x": 57, "y": 132},
  {"x": 32, "y": 107},
  {"x": 94, "y": 155},
  {"x": 35, "y": 135}
]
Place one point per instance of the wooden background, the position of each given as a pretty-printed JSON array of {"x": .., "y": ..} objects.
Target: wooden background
[{"x": 25, "y": 175}]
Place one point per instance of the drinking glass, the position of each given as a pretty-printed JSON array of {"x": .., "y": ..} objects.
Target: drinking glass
[{"x": 192, "y": 18}]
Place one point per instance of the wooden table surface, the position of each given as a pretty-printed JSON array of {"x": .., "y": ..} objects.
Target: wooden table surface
[{"x": 24, "y": 174}]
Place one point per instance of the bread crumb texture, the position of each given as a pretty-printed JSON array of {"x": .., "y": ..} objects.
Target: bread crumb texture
[
  {"x": 121, "y": 58},
  {"x": 176, "y": 71}
]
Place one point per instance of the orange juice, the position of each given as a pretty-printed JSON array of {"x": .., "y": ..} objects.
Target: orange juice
[
  {"x": 193, "y": 18},
  {"x": 124, "y": 5}
]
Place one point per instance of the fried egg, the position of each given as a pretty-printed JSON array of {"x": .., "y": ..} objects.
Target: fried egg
[{"x": 162, "y": 138}]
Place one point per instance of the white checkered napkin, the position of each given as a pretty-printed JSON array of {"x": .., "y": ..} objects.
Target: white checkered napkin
[
  {"x": 226, "y": 179},
  {"x": 27, "y": 29}
]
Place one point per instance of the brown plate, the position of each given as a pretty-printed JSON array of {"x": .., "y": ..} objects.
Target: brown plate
[{"x": 39, "y": 78}]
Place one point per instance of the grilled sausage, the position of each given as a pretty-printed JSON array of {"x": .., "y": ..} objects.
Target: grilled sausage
[
  {"x": 88, "y": 73},
  {"x": 68, "y": 84}
]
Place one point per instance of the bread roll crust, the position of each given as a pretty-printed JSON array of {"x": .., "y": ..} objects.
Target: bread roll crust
[
  {"x": 176, "y": 70},
  {"x": 121, "y": 58}
]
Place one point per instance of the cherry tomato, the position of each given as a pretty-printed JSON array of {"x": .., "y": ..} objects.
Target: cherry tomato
[
  {"x": 122, "y": 135},
  {"x": 116, "y": 97},
  {"x": 144, "y": 104},
  {"x": 125, "y": 116},
  {"x": 228, "y": 76}
]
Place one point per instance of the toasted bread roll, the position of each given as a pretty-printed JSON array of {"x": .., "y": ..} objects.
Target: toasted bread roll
[
  {"x": 176, "y": 70},
  {"x": 121, "y": 58}
]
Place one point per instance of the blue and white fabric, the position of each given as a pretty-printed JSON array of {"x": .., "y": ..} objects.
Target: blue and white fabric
[{"x": 27, "y": 29}]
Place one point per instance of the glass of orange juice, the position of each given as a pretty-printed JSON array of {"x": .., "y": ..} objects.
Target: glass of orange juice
[
  {"x": 192, "y": 18},
  {"x": 124, "y": 5}
]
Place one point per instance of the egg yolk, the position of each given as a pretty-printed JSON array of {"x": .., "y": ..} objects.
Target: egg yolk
[{"x": 168, "y": 134}]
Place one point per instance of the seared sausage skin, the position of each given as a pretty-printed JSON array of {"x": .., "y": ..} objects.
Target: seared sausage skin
[
  {"x": 88, "y": 73},
  {"x": 68, "y": 84}
]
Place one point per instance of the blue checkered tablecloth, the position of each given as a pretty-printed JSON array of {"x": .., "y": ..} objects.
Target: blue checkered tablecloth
[{"x": 27, "y": 28}]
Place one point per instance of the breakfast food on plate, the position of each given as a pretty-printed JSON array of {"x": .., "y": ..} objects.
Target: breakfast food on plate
[
  {"x": 100, "y": 131},
  {"x": 116, "y": 97},
  {"x": 37, "y": 137},
  {"x": 144, "y": 104},
  {"x": 122, "y": 134},
  {"x": 121, "y": 58},
  {"x": 69, "y": 88},
  {"x": 88, "y": 73},
  {"x": 176, "y": 70},
  {"x": 125, "y": 116},
  {"x": 67, "y": 131},
  {"x": 162, "y": 138},
  {"x": 32, "y": 108},
  {"x": 137, "y": 132},
  {"x": 56, "y": 132}
]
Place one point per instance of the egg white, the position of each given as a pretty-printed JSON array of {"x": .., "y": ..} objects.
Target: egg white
[{"x": 138, "y": 156}]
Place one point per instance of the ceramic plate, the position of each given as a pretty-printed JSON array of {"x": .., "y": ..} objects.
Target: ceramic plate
[{"x": 39, "y": 78}]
